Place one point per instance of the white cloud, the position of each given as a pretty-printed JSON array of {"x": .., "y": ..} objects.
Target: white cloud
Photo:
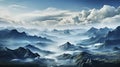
[
  {"x": 4, "y": 12},
  {"x": 53, "y": 17},
  {"x": 16, "y": 6},
  {"x": 7, "y": 18}
]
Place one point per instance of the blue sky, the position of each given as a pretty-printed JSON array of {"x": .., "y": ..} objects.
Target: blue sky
[{"x": 61, "y": 4}]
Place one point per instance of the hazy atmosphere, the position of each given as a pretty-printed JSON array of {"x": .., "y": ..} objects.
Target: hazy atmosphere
[{"x": 60, "y": 33}]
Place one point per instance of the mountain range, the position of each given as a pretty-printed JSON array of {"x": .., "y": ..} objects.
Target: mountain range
[
  {"x": 7, "y": 54},
  {"x": 14, "y": 34}
]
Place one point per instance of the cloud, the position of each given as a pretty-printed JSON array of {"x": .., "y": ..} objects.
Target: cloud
[
  {"x": 16, "y": 6},
  {"x": 56, "y": 18},
  {"x": 4, "y": 12},
  {"x": 7, "y": 18},
  {"x": 94, "y": 16},
  {"x": 111, "y": 21},
  {"x": 49, "y": 17}
]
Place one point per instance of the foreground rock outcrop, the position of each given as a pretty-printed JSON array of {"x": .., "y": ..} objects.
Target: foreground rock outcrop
[
  {"x": 7, "y": 54},
  {"x": 85, "y": 59}
]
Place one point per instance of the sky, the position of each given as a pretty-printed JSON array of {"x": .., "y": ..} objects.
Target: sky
[
  {"x": 61, "y": 4},
  {"x": 36, "y": 14}
]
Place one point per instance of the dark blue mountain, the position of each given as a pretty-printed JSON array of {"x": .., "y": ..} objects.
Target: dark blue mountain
[
  {"x": 116, "y": 48},
  {"x": 38, "y": 50},
  {"x": 115, "y": 34},
  {"x": 94, "y": 32},
  {"x": 7, "y": 54},
  {"x": 96, "y": 36},
  {"x": 43, "y": 44},
  {"x": 91, "y": 31},
  {"x": 15, "y": 35},
  {"x": 106, "y": 36},
  {"x": 112, "y": 43},
  {"x": 66, "y": 32},
  {"x": 85, "y": 59},
  {"x": 113, "y": 38},
  {"x": 69, "y": 47}
]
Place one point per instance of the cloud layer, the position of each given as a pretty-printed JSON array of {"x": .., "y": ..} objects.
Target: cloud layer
[{"x": 56, "y": 18}]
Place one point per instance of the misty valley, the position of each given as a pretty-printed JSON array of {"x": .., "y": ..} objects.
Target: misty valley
[
  {"x": 93, "y": 47},
  {"x": 59, "y": 33}
]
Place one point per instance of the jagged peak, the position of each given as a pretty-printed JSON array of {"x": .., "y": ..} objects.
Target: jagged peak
[{"x": 68, "y": 43}]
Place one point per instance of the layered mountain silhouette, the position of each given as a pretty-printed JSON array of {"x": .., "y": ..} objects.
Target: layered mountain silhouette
[
  {"x": 67, "y": 46},
  {"x": 15, "y": 35},
  {"x": 115, "y": 34},
  {"x": 91, "y": 31},
  {"x": 38, "y": 50},
  {"x": 109, "y": 38},
  {"x": 66, "y": 32},
  {"x": 96, "y": 35},
  {"x": 70, "y": 47},
  {"x": 113, "y": 38},
  {"x": 94, "y": 32},
  {"x": 80, "y": 56}
]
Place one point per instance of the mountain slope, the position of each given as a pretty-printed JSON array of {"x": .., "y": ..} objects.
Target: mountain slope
[
  {"x": 35, "y": 49},
  {"x": 14, "y": 34},
  {"x": 19, "y": 53},
  {"x": 96, "y": 36}
]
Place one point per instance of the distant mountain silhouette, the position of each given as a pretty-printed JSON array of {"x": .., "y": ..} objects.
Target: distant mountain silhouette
[
  {"x": 105, "y": 35},
  {"x": 66, "y": 32},
  {"x": 42, "y": 44},
  {"x": 94, "y": 32},
  {"x": 113, "y": 38},
  {"x": 15, "y": 35},
  {"x": 115, "y": 34},
  {"x": 38, "y": 50},
  {"x": 96, "y": 35},
  {"x": 69, "y": 47},
  {"x": 91, "y": 31}
]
